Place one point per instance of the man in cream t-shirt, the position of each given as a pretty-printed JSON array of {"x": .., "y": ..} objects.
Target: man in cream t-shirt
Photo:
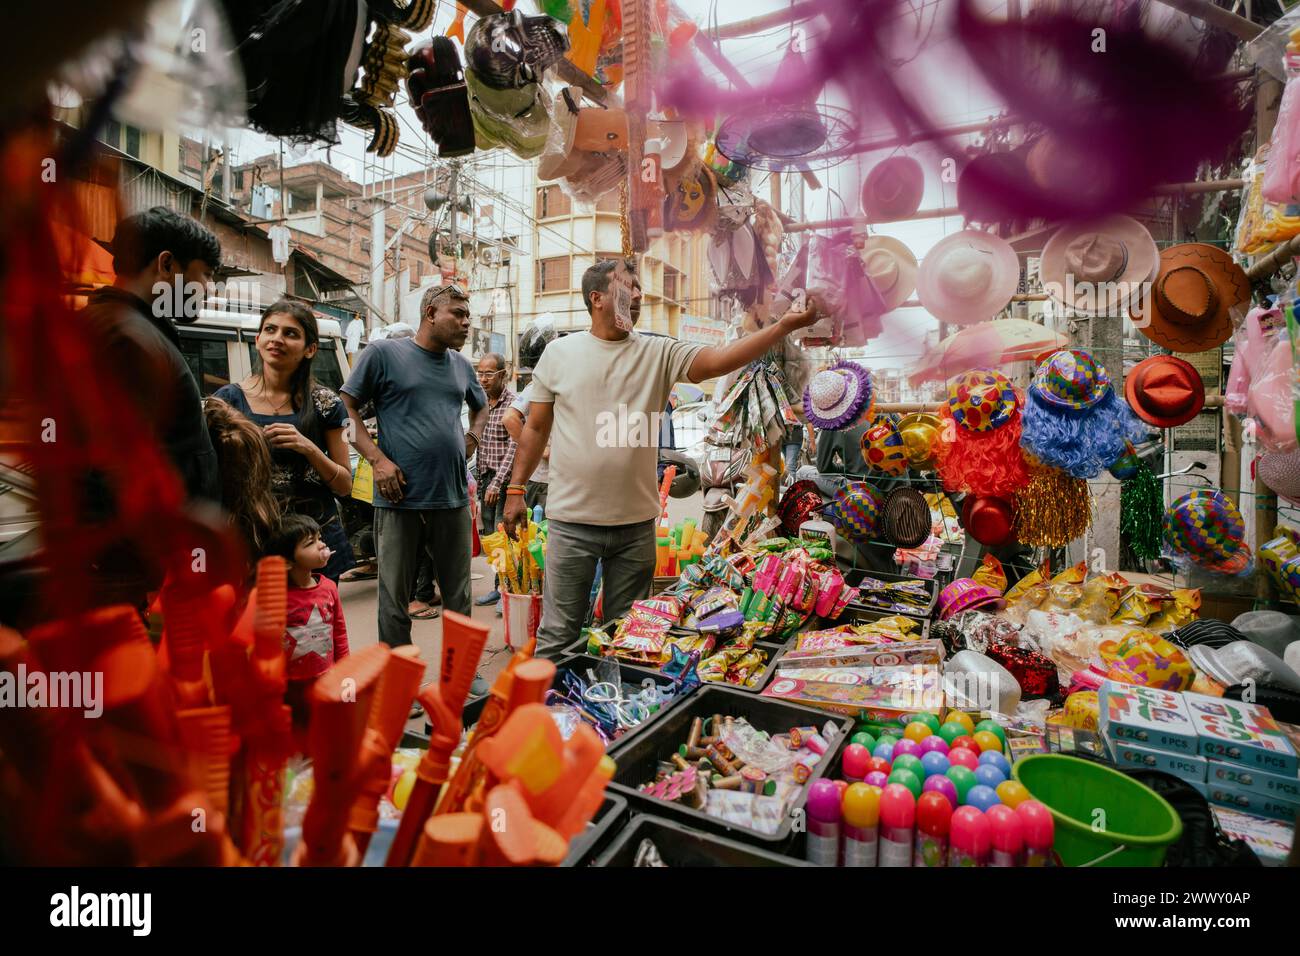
[{"x": 597, "y": 397}]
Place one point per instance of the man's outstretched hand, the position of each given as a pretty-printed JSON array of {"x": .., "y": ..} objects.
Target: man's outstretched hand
[
  {"x": 516, "y": 510},
  {"x": 793, "y": 320}
]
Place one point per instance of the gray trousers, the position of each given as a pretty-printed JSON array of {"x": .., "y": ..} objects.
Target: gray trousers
[
  {"x": 627, "y": 553},
  {"x": 401, "y": 536}
]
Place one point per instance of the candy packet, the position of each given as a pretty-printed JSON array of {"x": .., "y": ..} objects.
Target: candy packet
[{"x": 990, "y": 573}]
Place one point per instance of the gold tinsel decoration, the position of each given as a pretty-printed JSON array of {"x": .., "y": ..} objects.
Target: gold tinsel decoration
[{"x": 1053, "y": 509}]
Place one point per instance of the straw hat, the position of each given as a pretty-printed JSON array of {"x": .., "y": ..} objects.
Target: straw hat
[
  {"x": 1099, "y": 267},
  {"x": 893, "y": 189},
  {"x": 1165, "y": 391},
  {"x": 1281, "y": 472},
  {"x": 968, "y": 277},
  {"x": 920, "y": 430},
  {"x": 891, "y": 267},
  {"x": 839, "y": 396},
  {"x": 1189, "y": 308}
]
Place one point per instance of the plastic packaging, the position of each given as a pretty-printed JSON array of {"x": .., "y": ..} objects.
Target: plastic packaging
[
  {"x": 970, "y": 839},
  {"x": 897, "y": 821},
  {"x": 823, "y": 808},
  {"x": 861, "y": 812}
]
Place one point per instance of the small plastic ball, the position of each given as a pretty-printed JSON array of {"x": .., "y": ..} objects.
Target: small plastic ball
[
  {"x": 987, "y": 740},
  {"x": 981, "y": 797},
  {"x": 960, "y": 717},
  {"x": 934, "y": 763},
  {"x": 934, "y": 744},
  {"x": 989, "y": 775},
  {"x": 909, "y": 780},
  {"x": 996, "y": 759},
  {"x": 916, "y": 731},
  {"x": 963, "y": 757},
  {"x": 1012, "y": 793},
  {"x": 993, "y": 727},
  {"x": 906, "y": 747}
]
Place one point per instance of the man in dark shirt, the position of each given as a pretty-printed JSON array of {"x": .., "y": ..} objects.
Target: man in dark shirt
[
  {"x": 419, "y": 386},
  {"x": 164, "y": 263}
]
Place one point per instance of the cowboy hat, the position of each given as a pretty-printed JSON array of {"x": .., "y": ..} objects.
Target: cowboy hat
[
  {"x": 893, "y": 189},
  {"x": 579, "y": 131},
  {"x": 1189, "y": 308},
  {"x": 1099, "y": 267},
  {"x": 968, "y": 277},
  {"x": 891, "y": 267},
  {"x": 1165, "y": 391}
]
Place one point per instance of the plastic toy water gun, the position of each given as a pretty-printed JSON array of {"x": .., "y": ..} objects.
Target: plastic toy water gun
[
  {"x": 444, "y": 702},
  {"x": 391, "y": 709}
]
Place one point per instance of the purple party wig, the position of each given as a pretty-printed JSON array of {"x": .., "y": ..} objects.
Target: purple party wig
[{"x": 1082, "y": 442}]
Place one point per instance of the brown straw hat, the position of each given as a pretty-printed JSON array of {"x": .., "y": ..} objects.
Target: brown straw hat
[{"x": 1190, "y": 305}]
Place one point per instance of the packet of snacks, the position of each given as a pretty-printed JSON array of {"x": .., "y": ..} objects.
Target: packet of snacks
[
  {"x": 1101, "y": 598},
  {"x": 1186, "y": 607},
  {"x": 990, "y": 573},
  {"x": 1141, "y": 604},
  {"x": 1026, "y": 584}
]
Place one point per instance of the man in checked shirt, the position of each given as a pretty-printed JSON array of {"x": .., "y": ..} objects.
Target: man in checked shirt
[{"x": 496, "y": 456}]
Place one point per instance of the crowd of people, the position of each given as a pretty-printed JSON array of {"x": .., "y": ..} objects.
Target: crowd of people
[{"x": 272, "y": 449}]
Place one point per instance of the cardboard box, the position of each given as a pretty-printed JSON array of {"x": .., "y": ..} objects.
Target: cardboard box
[
  {"x": 1247, "y": 734},
  {"x": 1249, "y": 778},
  {"x": 1187, "y": 766},
  {"x": 880, "y": 693},
  {"x": 1248, "y": 801},
  {"x": 1146, "y": 717},
  {"x": 895, "y": 654},
  {"x": 1270, "y": 839}
]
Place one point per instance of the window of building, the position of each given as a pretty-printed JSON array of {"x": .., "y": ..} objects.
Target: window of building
[
  {"x": 672, "y": 281},
  {"x": 553, "y": 274},
  {"x": 365, "y": 245},
  {"x": 113, "y": 134},
  {"x": 551, "y": 201},
  {"x": 132, "y": 142}
]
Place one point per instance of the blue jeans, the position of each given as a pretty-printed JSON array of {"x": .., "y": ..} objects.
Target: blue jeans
[{"x": 627, "y": 553}]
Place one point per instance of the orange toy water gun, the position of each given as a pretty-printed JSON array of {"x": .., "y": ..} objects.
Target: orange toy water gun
[
  {"x": 388, "y": 715},
  {"x": 444, "y": 702},
  {"x": 504, "y": 834},
  {"x": 344, "y": 751}
]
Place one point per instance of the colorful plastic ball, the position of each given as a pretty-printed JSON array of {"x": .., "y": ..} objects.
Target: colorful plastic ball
[
  {"x": 987, "y": 740},
  {"x": 855, "y": 761},
  {"x": 960, "y": 717},
  {"x": 990, "y": 775},
  {"x": 963, "y": 757},
  {"x": 906, "y": 747},
  {"x": 950, "y": 732},
  {"x": 981, "y": 797},
  {"x": 878, "y": 765},
  {"x": 963, "y": 778},
  {"x": 934, "y": 744},
  {"x": 934, "y": 763},
  {"x": 884, "y": 752},
  {"x": 864, "y": 739},
  {"x": 993, "y": 727},
  {"x": 909, "y": 762},
  {"x": 942, "y": 784},
  {"x": 966, "y": 741},
  {"x": 916, "y": 731},
  {"x": 877, "y": 778},
  {"x": 909, "y": 780},
  {"x": 930, "y": 720},
  {"x": 995, "y": 758},
  {"x": 1012, "y": 793},
  {"x": 891, "y": 739}
]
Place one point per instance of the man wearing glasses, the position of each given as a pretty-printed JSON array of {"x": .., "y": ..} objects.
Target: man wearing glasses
[
  {"x": 418, "y": 386},
  {"x": 496, "y": 456}
]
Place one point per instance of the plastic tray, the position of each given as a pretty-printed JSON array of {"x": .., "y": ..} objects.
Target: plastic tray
[
  {"x": 638, "y": 758},
  {"x": 853, "y": 578},
  {"x": 680, "y": 846},
  {"x": 600, "y": 831},
  {"x": 774, "y": 650}
]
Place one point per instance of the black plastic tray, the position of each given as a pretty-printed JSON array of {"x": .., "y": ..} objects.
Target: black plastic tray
[
  {"x": 681, "y": 846},
  {"x": 854, "y": 577},
  {"x": 600, "y": 831},
  {"x": 638, "y": 758}
]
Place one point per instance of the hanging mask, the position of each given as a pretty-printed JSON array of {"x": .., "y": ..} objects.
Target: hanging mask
[{"x": 510, "y": 50}]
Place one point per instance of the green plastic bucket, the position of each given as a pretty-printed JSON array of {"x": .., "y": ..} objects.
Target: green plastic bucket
[{"x": 1137, "y": 825}]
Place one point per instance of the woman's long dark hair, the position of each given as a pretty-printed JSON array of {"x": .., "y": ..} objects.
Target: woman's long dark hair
[{"x": 301, "y": 383}]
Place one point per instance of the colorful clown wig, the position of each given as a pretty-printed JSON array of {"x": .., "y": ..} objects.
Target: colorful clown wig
[
  {"x": 978, "y": 451},
  {"x": 1074, "y": 420}
]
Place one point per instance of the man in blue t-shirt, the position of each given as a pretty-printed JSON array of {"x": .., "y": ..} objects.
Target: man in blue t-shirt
[{"x": 418, "y": 386}]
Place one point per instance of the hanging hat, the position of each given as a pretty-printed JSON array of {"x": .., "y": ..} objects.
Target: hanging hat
[
  {"x": 1099, "y": 267},
  {"x": 856, "y": 511},
  {"x": 1280, "y": 470},
  {"x": 891, "y": 267},
  {"x": 989, "y": 520},
  {"x": 1165, "y": 391},
  {"x": 965, "y": 594},
  {"x": 801, "y": 502},
  {"x": 509, "y": 50},
  {"x": 839, "y": 396},
  {"x": 1146, "y": 659},
  {"x": 920, "y": 430},
  {"x": 883, "y": 449},
  {"x": 968, "y": 277},
  {"x": 1206, "y": 527},
  {"x": 1070, "y": 379},
  {"x": 1189, "y": 308},
  {"x": 981, "y": 400},
  {"x": 907, "y": 518},
  {"x": 580, "y": 131},
  {"x": 893, "y": 189}
]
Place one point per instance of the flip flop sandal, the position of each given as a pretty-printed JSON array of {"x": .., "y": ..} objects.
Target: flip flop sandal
[
  {"x": 425, "y": 612},
  {"x": 358, "y": 574}
]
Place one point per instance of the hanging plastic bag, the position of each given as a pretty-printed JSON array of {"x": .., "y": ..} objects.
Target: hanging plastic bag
[{"x": 1282, "y": 176}]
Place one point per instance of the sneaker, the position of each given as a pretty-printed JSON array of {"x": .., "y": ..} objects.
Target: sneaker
[
  {"x": 498, "y": 610},
  {"x": 480, "y": 687},
  {"x": 492, "y": 597}
]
